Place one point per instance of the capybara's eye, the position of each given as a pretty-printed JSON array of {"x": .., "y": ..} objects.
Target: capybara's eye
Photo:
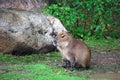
[{"x": 63, "y": 36}]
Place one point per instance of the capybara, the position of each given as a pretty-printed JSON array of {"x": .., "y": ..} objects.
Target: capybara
[{"x": 74, "y": 51}]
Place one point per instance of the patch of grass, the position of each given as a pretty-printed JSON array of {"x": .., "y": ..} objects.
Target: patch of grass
[
  {"x": 104, "y": 44},
  {"x": 37, "y": 71},
  {"x": 33, "y": 67},
  {"x": 27, "y": 59}
]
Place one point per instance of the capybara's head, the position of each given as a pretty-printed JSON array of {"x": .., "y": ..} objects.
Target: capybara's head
[{"x": 63, "y": 37}]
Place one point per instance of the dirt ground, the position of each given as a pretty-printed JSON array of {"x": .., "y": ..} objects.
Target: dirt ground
[
  {"x": 105, "y": 65},
  {"x": 107, "y": 59}
]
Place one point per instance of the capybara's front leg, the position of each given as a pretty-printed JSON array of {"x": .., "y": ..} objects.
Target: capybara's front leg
[
  {"x": 64, "y": 63},
  {"x": 72, "y": 65}
]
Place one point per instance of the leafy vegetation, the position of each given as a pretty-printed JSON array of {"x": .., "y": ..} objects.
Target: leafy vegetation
[{"x": 96, "y": 18}]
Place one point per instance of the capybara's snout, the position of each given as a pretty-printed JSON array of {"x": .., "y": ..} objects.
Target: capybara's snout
[{"x": 55, "y": 41}]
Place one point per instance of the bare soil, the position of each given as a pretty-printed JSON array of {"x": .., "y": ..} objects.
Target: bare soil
[{"x": 105, "y": 65}]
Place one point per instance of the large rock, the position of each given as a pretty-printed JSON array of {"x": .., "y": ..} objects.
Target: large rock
[
  {"x": 23, "y": 32},
  {"x": 27, "y": 5}
]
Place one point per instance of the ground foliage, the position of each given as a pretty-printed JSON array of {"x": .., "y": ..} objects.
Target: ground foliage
[{"x": 85, "y": 18}]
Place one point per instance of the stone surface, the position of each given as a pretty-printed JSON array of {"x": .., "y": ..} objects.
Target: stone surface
[
  {"x": 27, "y": 5},
  {"x": 22, "y": 32}
]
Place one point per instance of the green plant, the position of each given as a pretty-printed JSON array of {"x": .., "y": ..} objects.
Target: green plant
[{"x": 94, "y": 16}]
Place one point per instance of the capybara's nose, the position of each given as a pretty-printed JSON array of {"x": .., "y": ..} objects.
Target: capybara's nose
[{"x": 55, "y": 40}]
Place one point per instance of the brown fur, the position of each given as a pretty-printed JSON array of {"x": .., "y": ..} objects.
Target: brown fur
[{"x": 73, "y": 50}]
